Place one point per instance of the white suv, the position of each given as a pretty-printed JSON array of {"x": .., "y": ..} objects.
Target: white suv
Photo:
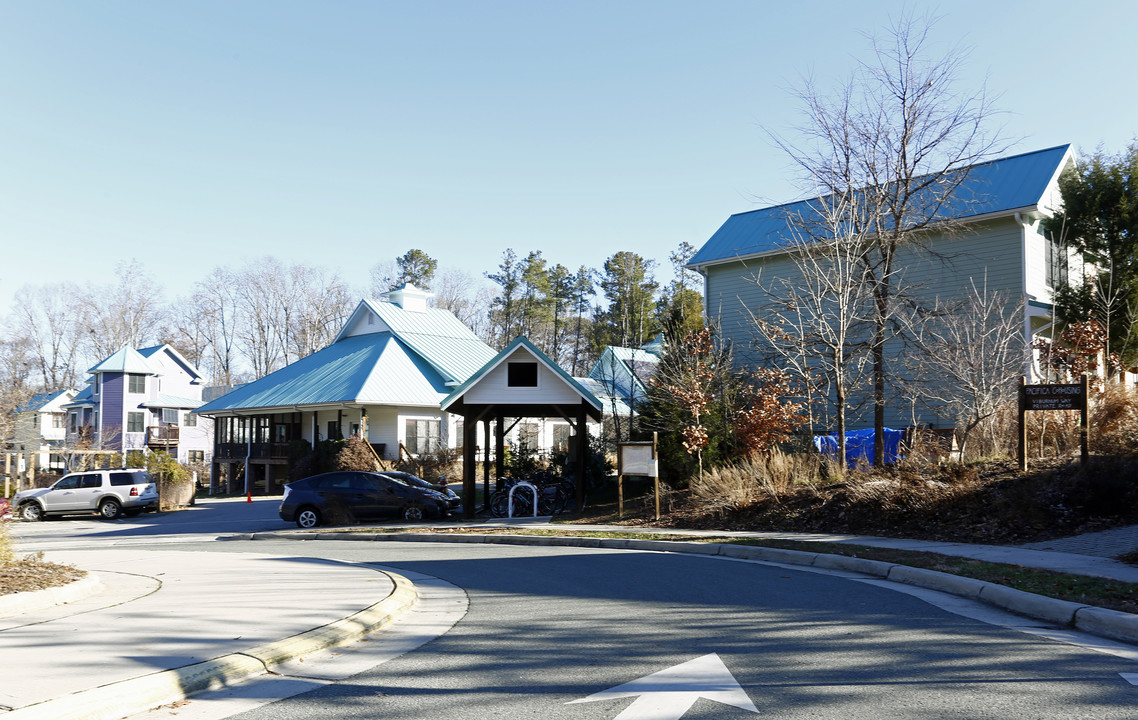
[{"x": 108, "y": 492}]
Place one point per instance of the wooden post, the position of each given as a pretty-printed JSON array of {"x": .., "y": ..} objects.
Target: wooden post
[
  {"x": 1022, "y": 425},
  {"x": 486, "y": 462},
  {"x": 656, "y": 478},
  {"x": 7, "y": 473},
  {"x": 1084, "y": 425},
  {"x": 619, "y": 482},
  {"x": 499, "y": 450},
  {"x": 469, "y": 440},
  {"x": 32, "y": 469},
  {"x": 582, "y": 454}
]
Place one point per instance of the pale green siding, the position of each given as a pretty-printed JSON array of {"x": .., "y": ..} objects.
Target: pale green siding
[{"x": 989, "y": 254}]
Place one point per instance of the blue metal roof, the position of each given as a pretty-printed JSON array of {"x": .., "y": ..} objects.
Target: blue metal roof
[
  {"x": 86, "y": 396},
  {"x": 1003, "y": 185},
  {"x": 39, "y": 401},
  {"x": 373, "y": 369},
  {"x": 438, "y": 337}
]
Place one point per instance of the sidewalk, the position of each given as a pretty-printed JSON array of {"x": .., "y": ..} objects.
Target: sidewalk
[
  {"x": 1088, "y": 554},
  {"x": 164, "y": 609}
]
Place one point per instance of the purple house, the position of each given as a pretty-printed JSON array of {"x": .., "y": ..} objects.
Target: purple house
[{"x": 138, "y": 400}]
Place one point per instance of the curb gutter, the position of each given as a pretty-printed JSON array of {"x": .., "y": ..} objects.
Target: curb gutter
[
  {"x": 1087, "y": 618},
  {"x": 136, "y": 695}
]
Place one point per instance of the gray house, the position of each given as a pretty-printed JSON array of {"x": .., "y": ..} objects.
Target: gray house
[{"x": 997, "y": 241}]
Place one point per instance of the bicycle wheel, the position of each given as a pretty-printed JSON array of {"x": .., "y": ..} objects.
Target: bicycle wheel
[{"x": 499, "y": 503}]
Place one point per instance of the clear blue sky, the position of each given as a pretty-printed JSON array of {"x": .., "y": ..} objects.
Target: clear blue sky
[{"x": 194, "y": 134}]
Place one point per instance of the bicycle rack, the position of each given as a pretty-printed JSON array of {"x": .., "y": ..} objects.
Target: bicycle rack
[{"x": 533, "y": 489}]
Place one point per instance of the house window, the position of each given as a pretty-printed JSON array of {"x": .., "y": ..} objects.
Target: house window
[
  {"x": 134, "y": 422},
  {"x": 136, "y": 384},
  {"x": 169, "y": 416},
  {"x": 190, "y": 420},
  {"x": 57, "y": 421},
  {"x": 196, "y": 456},
  {"x": 561, "y": 438},
  {"x": 527, "y": 436},
  {"x": 521, "y": 374},
  {"x": 74, "y": 422},
  {"x": 334, "y": 430},
  {"x": 1056, "y": 259},
  {"x": 422, "y": 436}
]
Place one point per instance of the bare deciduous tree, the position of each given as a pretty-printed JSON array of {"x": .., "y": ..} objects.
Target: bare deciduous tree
[
  {"x": 467, "y": 298},
  {"x": 900, "y": 134},
  {"x": 812, "y": 320},
  {"x": 53, "y": 321},
  {"x": 970, "y": 359},
  {"x": 126, "y": 313}
]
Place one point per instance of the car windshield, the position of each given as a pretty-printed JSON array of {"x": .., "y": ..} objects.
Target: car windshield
[{"x": 408, "y": 479}]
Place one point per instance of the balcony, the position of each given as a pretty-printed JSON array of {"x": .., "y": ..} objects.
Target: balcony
[{"x": 162, "y": 435}]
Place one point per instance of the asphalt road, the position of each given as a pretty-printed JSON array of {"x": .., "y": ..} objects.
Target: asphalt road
[
  {"x": 546, "y": 628},
  {"x": 208, "y": 518},
  {"x": 549, "y": 626}
]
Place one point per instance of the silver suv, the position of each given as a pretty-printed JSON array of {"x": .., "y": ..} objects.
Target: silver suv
[{"x": 108, "y": 492}]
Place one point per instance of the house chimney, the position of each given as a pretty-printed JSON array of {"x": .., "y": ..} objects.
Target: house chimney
[{"x": 410, "y": 298}]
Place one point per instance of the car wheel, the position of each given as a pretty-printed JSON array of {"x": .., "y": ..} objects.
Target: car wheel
[
  {"x": 110, "y": 509},
  {"x": 413, "y": 512},
  {"x": 31, "y": 511},
  {"x": 308, "y": 517},
  {"x": 132, "y": 512}
]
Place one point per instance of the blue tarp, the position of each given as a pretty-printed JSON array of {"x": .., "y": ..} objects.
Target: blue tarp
[{"x": 859, "y": 446}]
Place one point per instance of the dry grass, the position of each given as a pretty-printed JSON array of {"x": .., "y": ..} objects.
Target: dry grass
[
  {"x": 30, "y": 573},
  {"x": 761, "y": 477},
  {"x": 985, "y": 502}
]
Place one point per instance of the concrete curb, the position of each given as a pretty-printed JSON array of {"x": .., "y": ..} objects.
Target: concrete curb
[
  {"x": 139, "y": 694},
  {"x": 25, "y": 602},
  {"x": 1087, "y": 618}
]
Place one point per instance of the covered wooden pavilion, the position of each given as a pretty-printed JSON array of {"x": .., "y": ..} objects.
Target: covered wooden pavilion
[{"x": 519, "y": 382}]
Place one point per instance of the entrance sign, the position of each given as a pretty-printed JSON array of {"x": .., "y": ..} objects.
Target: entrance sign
[
  {"x": 1054, "y": 397},
  {"x": 668, "y": 694},
  {"x": 636, "y": 458},
  {"x": 1069, "y": 396}
]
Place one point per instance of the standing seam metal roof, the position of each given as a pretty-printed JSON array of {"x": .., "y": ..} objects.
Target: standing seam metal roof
[
  {"x": 373, "y": 369},
  {"x": 1001, "y": 185}
]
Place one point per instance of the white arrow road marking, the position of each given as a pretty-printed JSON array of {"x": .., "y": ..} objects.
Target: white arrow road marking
[{"x": 668, "y": 694}]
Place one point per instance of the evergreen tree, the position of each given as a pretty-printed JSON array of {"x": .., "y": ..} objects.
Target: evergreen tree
[
  {"x": 1100, "y": 220},
  {"x": 415, "y": 267},
  {"x": 630, "y": 289},
  {"x": 504, "y": 308}
]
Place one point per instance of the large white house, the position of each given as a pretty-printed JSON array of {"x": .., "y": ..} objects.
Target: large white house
[{"x": 382, "y": 378}]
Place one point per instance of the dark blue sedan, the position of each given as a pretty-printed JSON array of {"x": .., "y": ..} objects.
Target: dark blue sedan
[{"x": 348, "y": 497}]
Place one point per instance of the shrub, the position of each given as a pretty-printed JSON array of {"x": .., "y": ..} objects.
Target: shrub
[
  {"x": 1114, "y": 421},
  {"x": 356, "y": 454},
  {"x": 430, "y": 465}
]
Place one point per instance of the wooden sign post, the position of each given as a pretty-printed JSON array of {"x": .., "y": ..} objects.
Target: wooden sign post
[
  {"x": 1070, "y": 396},
  {"x": 637, "y": 458}
]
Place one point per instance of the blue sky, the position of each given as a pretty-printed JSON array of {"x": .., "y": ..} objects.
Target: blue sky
[{"x": 188, "y": 135}]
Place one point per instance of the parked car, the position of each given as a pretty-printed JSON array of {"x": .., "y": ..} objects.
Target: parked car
[
  {"x": 348, "y": 496},
  {"x": 454, "y": 502},
  {"x": 110, "y": 493}
]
